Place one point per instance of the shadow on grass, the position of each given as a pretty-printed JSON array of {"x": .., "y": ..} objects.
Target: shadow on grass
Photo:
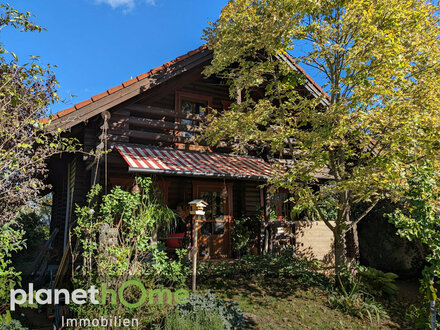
[{"x": 278, "y": 288}]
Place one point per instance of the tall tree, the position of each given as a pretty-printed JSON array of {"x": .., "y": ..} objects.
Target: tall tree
[
  {"x": 26, "y": 92},
  {"x": 380, "y": 61}
]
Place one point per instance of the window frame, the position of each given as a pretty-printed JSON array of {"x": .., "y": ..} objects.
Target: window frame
[
  {"x": 181, "y": 96},
  {"x": 191, "y": 97},
  {"x": 277, "y": 204}
]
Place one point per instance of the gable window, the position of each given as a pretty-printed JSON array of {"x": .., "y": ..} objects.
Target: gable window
[
  {"x": 192, "y": 104},
  {"x": 195, "y": 108}
]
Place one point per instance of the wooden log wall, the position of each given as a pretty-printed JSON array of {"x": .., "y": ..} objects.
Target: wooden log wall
[
  {"x": 252, "y": 198},
  {"x": 155, "y": 119},
  {"x": 58, "y": 180}
]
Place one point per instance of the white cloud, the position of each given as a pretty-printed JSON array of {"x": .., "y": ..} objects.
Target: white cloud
[{"x": 126, "y": 5}]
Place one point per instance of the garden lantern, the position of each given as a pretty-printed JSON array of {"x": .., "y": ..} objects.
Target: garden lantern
[{"x": 197, "y": 207}]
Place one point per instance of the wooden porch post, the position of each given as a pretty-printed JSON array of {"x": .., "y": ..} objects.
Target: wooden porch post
[
  {"x": 195, "y": 252},
  {"x": 198, "y": 210},
  {"x": 266, "y": 214}
]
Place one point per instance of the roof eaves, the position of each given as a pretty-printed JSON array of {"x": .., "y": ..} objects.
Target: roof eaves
[
  {"x": 125, "y": 84},
  {"x": 315, "y": 88}
]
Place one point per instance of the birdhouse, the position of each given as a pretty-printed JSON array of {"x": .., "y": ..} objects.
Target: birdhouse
[{"x": 198, "y": 207}]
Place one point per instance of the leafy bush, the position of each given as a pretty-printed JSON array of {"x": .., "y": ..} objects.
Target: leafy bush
[
  {"x": 11, "y": 240},
  {"x": 377, "y": 282},
  {"x": 12, "y": 325},
  {"x": 199, "y": 320},
  {"x": 32, "y": 222},
  {"x": 115, "y": 242},
  {"x": 357, "y": 304},
  {"x": 419, "y": 316},
  {"x": 228, "y": 312},
  {"x": 368, "y": 280},
  {"x": 245, "y": 233},
  {"x": 166, "y": 271},
  {"x": 418, "y": 220},
  {"x": 358, "y": 286}
]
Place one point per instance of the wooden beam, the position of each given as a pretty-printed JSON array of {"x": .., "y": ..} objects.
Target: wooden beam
[
  {"x": 161, "y": 124},
  {"x": 147, "y": 109},
  {"x": 120, "y": 136},
  {"x": 160, "y": 137}
]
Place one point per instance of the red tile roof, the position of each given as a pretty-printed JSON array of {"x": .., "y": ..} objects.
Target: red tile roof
[{"x": 148, "y": 74}]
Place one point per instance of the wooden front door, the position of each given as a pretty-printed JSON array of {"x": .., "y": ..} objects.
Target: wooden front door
[{"x": 214, "y": 231}]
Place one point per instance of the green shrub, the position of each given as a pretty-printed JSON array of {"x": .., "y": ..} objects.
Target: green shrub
[
  {"x": 11, "y": 241},
  {"x": 33, "y": 224},
  {"x": 245, "y": 233},
  {"x": 228, "y": 312},
  {"x": 12, "y": 325},
  {"x": 419, "y": 316},
  {"x": 199, "y": 320},
  {"x": 358, "y": 286},
  {"x": 368, "y": 280},
  {"x": 115, "y": 242},
  {"x": 377, "y": 282}
]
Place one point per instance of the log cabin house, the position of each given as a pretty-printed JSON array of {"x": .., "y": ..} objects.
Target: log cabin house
[{"x": 150, "y": 123}]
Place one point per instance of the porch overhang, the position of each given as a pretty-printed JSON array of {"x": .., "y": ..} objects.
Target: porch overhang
[{"x": 146, "y": 159}]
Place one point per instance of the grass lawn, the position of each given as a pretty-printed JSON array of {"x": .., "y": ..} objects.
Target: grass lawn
[{"x": 283, "y": 303}]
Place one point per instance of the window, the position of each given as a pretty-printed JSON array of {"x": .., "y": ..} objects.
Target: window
[
  {"x": 280, "y": 206},
  {"x": 217, "y": 207},
  {"x": 219, "y": 228},
  {"x": 206, "y": 229},
  {"x": 195, "y": 108},
  {"x": 195, "y": 104}
]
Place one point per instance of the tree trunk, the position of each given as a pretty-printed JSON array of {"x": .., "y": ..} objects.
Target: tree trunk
[
  {"x": 340, "y": 229},
  {"x": 340, "y": 258},
  {"x": 352, "y": 242}
]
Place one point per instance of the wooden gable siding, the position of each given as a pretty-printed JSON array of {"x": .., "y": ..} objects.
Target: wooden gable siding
[
  {"x": 153, "y": 119},
  {"x": 130, "y": 90}
]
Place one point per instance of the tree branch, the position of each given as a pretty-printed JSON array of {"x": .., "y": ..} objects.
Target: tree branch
[
  {"x": 363, "y": 214},
  {"x": 323, "y": 218}
]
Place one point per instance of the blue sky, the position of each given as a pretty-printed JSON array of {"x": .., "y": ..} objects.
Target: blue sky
[{"x": 98, "y": 44}]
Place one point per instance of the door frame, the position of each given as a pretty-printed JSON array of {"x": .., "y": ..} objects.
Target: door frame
[{"x": 214, "y": 185}]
